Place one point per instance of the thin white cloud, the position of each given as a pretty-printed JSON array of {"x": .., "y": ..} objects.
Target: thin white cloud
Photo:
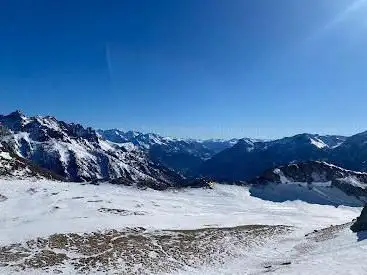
[
  {"x": 336, "y": 20},
  {"x": 345, "y": 14}
]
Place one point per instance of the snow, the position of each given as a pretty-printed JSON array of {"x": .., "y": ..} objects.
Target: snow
[
  {"x": 48, "y": 122},
  {"x": 337, "y": 145},
  {"x": 41, "y": 208},
  {"x": 106, "y": 145},
  {"x": 354, "y": 182},
  {"x": 344, "y": 254},
  {"x": 342, "y": 169},
  {"x": 62, "y": 150},
  {"x": 5, "y": 155},
  {"x": 129, "y": 146},
  {"x": 283, "y": 179},
  {"x": 316, "y": 193},
  {"x": 318, "y": 143}
]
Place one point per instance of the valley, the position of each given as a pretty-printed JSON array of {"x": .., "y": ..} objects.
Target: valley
[
  {"x": 71, "y": 227},
  {"x": 75, "y": 200}
]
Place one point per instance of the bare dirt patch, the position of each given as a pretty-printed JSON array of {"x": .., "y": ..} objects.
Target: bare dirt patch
[{"x": 136, "y": 250}]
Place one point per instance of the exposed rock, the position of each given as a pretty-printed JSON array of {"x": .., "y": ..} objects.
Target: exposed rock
[
  {"x": 310, "y": 171},
  {"x": 12, "y": 165},
  {"x": 136, "y": 250},
  {"x": 361, "y": 222},
  {"x": 78, "y": 153},
  {"x": 314, "y": 182},
  {"x": 176, "y": 182},
  {"x": 3, "y": 198}
]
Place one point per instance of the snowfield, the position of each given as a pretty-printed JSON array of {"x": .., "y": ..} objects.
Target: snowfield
[
  {"x": 40, "y": 208},
  {"x": 31, "y": 210}
]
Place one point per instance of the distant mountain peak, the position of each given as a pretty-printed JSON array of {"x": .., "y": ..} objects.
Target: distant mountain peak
[{"x": 17, "y": 113}]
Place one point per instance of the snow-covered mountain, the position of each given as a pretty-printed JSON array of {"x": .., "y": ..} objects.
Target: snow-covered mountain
[
  {"x": 78, "y": 153},
  {"x": 248, "y": 159},
  {"x": 13, "y": 166},
  {"x": 352, "y": 153},
  {"x": 182, "y": 155},
  {"x": 81, "y": 154},
  {"x": 314, "y": 182}
]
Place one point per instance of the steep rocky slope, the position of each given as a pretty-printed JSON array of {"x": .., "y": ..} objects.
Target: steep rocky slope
[
  {"x": 78, "y": 153},
  {"x": 13, "y": 166}
]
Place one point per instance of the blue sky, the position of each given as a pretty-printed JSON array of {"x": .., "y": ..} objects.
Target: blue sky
[{"x": 208, "y": 68}]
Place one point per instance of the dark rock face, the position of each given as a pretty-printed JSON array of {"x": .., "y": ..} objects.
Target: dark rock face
[{"x": 361, "y": 222}]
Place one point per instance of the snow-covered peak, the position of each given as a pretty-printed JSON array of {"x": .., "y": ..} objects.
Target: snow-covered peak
[{"x": 78, "y": 153}]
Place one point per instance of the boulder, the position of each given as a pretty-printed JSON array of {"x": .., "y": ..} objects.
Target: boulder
[{"x": 361, "y": 222}]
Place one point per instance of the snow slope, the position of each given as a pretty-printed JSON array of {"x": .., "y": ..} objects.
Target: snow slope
[
  {"x": 334, "y": 250},
  {"x": 32, "y": 209},
  {"x": 312, "y": 182},
  {"x": 40, "y": 208}
]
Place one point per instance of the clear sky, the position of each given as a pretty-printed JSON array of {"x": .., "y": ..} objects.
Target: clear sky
[{"x": 189, "y": 68}]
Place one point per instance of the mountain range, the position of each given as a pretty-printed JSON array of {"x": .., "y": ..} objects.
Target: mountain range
[
  {"x": 78, "y": 153},
  {"x": 246, "y": 160},
  {"x": 183, "y": 155}
]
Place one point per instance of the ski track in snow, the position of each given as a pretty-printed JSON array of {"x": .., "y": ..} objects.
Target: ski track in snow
[{"x": 40, "y": 208}]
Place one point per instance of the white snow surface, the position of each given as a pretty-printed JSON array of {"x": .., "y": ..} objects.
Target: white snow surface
[
  {"x": 5, "y": 155},
  {"x": 40, "y": 208},
  {"x": 354, "y": 182},
  {"x": 283, "y": 179},
  {"x": 318, "y": 143},
  {"x": 344, "y": 254}
]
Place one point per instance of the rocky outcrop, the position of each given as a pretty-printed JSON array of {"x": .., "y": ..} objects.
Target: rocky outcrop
[
  {"x": 11, "y": 165},
  {"x": 310, "y": 171},
  {"x": 361, "y": 222},
  {"x": 177, "y": 183},
  {"x": 78, "y": 153},
  {"x": 313, "y": 182}
]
